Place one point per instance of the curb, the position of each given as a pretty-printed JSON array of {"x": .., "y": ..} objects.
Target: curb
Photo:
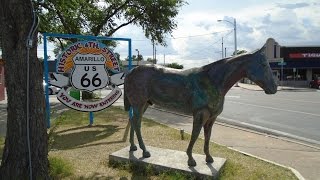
[
  {"x": 295, "y": 139},
  {"x": 289, "y": 89},
  {"x": 294, "y": 171}
]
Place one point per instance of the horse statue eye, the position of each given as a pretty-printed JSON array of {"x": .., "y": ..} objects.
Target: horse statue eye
[{"x": 264, "y": 64}]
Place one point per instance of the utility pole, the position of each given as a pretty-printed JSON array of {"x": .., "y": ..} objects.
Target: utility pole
[
  {"x": 222, "y": 48},
  {"x": 138, "y": 56},
  {"x": 234, "y": 23},
  {"x": 225, "y": 52},
  {"x": 153, "y": 50},
  {"x": 235, "y": 35},
  {"x": 164, "y": 59},
  {"x": 155, "y": 53}
]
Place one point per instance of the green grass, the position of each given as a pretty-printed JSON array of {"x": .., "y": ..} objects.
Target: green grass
[
  {"x": 112, "y": 123},
  {"x": 78, "y": 151},
  {"x": 60, "y": 168},
  {"x": 2, "y": 139},
  {"x": 76, "y": 118}
]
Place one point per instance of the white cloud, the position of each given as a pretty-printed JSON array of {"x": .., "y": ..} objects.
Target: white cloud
[
  {"x": 293, "y": 22},
  {"x": 293, "y": 6}
]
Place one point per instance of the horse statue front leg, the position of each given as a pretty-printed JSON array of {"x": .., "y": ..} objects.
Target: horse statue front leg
[
  {"x": 207, "y": 134},
  {"x": 199, "y": 119},
  {"x": 136, "y": 126}
]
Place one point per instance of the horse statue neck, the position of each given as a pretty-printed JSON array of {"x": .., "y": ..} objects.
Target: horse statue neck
[{"x": 226, "y": 72}]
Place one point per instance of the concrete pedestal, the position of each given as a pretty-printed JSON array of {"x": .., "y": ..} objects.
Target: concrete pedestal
[{"x": 166, "y": 159}]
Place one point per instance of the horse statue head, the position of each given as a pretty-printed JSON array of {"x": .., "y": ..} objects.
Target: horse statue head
[{"x": 259, "y": 71}]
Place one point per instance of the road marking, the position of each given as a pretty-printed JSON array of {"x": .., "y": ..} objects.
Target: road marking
[
  {"x": 279, "y": 109},
  {"x": 296, "y": 100},
  {"x": 233, "y": 97}
]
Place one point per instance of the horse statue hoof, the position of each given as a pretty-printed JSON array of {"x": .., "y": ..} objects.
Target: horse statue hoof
[
  {"x": 192, "y": 163},
  {"x": 209, "y": 159},
  {"x": 133, "y": 148},
  {"x": 146, "y": 154}
]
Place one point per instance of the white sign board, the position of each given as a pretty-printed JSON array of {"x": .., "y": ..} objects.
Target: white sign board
[{"x": 89, "y": 72}]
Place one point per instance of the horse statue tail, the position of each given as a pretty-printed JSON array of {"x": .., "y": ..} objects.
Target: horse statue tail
[{"x": 126, "y": 101}]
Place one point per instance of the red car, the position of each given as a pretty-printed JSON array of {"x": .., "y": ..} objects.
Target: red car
[{"x": 315, "y": 83}]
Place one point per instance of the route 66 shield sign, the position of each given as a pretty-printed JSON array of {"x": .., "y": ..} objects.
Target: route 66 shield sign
[
  {"x": 89, "y": 72},
  {"x": 87, "y": 63}
]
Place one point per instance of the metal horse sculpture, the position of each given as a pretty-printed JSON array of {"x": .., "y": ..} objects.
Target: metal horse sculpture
[{"x": 199, "y": 92}]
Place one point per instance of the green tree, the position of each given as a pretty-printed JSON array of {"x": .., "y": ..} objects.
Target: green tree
[
  {"x": 104, "y": 18},
  {"x": 26, "y": 124},
  {"x": 240, "y": 52},
  {"x": 96, "y": 17},
  {"x": 153, "y": 61},
  {"x": 136, "y": 58},
  {"x": 174, "y": 65}
]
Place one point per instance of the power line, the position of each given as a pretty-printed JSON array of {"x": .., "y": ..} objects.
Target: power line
[
  {"x": 181, "y": 37},
  {"x": 198, "y": 35}
]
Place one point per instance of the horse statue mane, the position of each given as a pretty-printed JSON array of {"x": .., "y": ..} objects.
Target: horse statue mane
[{"x": 198, "y": 91}]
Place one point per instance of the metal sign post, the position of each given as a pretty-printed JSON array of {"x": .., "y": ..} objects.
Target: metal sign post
[{"x": 282, "y": 63}]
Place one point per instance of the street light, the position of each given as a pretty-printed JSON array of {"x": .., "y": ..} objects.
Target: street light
[{"x": 234, "y": 23}]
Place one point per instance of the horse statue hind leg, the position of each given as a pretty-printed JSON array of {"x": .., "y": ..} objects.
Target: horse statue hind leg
[
  {"x": 135, "y": 123},
  {"x": 201, "y": 118}
]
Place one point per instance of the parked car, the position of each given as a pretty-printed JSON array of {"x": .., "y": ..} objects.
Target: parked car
[
  {"x": 315, "y": 83},
  {"x": 51, "y": 89}
]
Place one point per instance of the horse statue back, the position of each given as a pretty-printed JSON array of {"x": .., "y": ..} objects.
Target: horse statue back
[{"x": 199, "y": 92}]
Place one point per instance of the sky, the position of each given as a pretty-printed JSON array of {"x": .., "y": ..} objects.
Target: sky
[{"x": 197, "y": 40}]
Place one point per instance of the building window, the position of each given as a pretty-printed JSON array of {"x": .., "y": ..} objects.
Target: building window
[
  {"x": 295, "y": 75},
  {"x": 315, "y": 72}
]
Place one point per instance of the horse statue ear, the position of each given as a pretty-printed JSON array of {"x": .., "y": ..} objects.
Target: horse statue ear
[
  {"x": 260, "y": 51},
  {"x": 263, "y": 49}
]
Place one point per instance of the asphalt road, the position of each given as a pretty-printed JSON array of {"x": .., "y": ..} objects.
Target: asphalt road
[{"x": 293, "y": 113}]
